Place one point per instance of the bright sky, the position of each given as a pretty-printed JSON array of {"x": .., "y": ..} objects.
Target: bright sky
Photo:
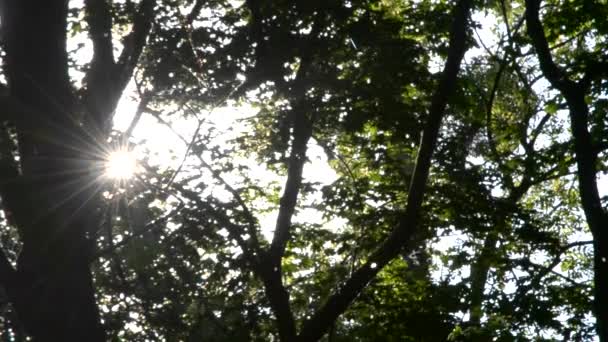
[{"x": 168, "y": 150}]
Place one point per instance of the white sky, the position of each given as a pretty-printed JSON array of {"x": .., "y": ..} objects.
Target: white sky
[{"x": 168, "y": 150}]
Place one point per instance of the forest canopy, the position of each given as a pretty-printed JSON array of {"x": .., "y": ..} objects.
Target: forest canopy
[{"x": 323, "y": 170}]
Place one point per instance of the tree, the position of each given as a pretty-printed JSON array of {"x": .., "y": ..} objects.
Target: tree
[
  {"x": 48, "y": 193},
  {"x": 424, "y": 142},
  {"x": 586, "y": 150}
]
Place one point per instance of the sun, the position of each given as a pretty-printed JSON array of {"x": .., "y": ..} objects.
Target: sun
[{"x": 121, "y": 164}]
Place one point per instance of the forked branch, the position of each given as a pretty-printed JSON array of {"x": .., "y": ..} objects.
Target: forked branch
[{"x": 314, "y": 328}]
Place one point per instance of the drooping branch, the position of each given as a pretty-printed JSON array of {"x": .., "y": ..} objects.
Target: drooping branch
[
  {"x": 314, "y": 328},
  {"x": 156, "y": 224},
  {"x": 489, "y": 129}
]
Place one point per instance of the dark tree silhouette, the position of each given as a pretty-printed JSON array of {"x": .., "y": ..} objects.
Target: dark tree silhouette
[{"x": 50, "y": 193}]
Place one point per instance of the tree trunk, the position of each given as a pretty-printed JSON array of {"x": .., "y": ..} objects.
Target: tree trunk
[
  {"x": 597, "y": 219},
  {"x": 52, "y": 199},
  {"x": 586, "y": 160},
  {"x": 479, "y": 276}
]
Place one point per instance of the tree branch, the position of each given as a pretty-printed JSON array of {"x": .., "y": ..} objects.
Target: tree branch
[
  {"x": 586, "y": 160},
  {"x": 13, "y": 197},
  {"x": 106, "y": 78},
  {"x": 150, "y": 226},
  {"x": 272, "y": 273},
  {"x": 595, "y": 70},
  {"x": 536, "y": 32},
  {"x": 271, "y": 269},
  {"x": 134, "y": 42},
  {"x": 544, "y": 270},
  {"x": 302, "y": 131},
  {"x": 586, "y": 154},
  {"x": 507, "y": 179},
  {"x": 99, "y": 20},
  {"x": 100, "y": 77},
  {"x": 314, "y": 328},
  {"x": 7, "y": 272}
]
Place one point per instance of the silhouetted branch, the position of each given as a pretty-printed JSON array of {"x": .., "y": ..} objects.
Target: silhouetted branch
[
  {"x": 134, "y": 42},
  {"x": 302, "y": 122},
  {"x": 251, "y": 220},
  {"x": 302, "y": 128},
  {"x": 100, "y": 78},
  {"x": 314, "y": 328},
  {"x": 536, "y": 32},
  {"x": 8, "y": 173},
  {"x": 99, "y": 20},
  {"x": 586, "y": 160},
  {"x": 155, "y": 224},
  {"x": 7, "y": 272},
  {"x": 545, "y": 269}
]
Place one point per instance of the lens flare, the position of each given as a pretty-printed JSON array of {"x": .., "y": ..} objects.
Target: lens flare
[{"x": 121, "y": 165}]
